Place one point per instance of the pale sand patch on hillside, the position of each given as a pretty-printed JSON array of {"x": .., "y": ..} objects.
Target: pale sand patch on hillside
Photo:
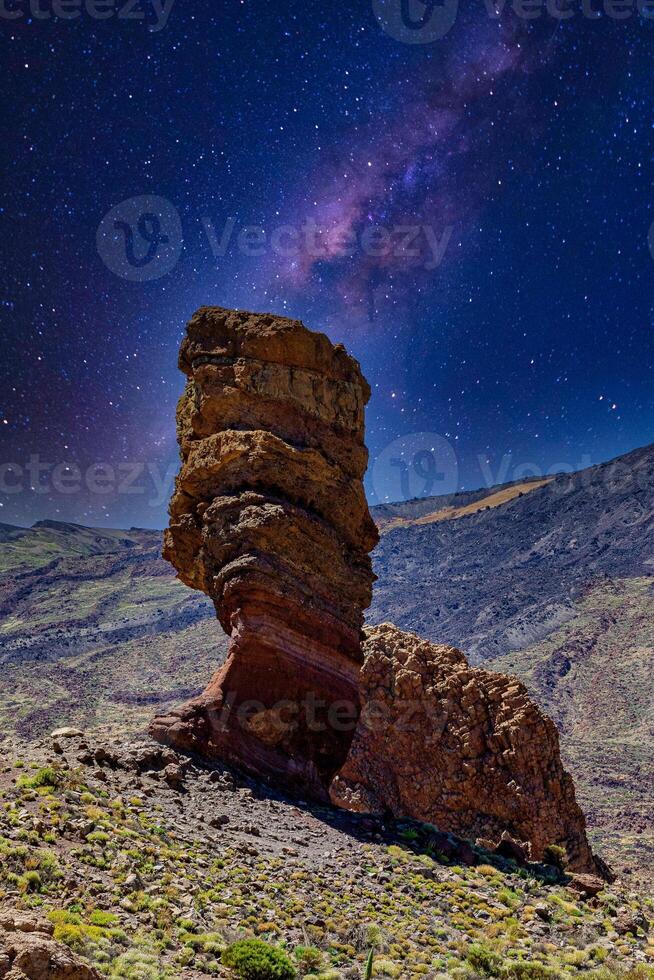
[{"x": 454, "y": 513}]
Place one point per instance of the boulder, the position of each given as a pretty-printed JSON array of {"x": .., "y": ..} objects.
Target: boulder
[
  {"x": 67, "y": 732},
  {"x": 28, "y": 951},
  {"x": 460, "y": 747},
  {"x": 588, "y": 886}
]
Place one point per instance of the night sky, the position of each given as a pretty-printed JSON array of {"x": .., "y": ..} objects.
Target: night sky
[{"x": 512, "y": 334}]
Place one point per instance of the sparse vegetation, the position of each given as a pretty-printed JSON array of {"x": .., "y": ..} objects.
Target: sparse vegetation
[
  {"x": 134, "y": 881},
  {"x": 253, "y": 959}
]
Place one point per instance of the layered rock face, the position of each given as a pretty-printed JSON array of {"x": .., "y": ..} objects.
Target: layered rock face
[
  {"x": 462, "y": 748},
  {"x": 270, "y": 519},
  {"x": 28, "y": 951}
]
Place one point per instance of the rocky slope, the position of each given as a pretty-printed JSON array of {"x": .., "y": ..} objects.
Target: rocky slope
[
  {"x": 149, "y": 867},
  {"x": 504, "y": 578},
  {"x": 94, "y": 626},
  {"x": 595, "y": 677}
]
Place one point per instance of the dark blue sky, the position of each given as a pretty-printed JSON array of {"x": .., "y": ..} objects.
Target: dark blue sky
[{"x": 513, "y": 158}]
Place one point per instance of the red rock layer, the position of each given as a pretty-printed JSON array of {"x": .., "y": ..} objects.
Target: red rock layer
[
  {"x": 270, "y": 519},
  {"x": 462, "y": 748}
]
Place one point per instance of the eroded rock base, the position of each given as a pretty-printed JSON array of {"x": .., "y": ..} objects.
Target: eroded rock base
[{"x": 460, "y": 747}]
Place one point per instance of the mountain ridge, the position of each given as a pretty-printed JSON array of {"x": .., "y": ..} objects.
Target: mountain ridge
[{"x": 95, "y": 630}]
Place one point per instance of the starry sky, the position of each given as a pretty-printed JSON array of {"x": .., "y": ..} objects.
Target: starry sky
[{"x": 469, "y": 214}]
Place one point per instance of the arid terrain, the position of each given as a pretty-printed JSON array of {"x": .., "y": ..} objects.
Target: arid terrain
[
  {"x": 149, "y": 867},
  {"x": 554, "y": 586}
]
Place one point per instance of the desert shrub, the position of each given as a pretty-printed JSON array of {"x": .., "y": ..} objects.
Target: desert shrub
[
  {"x": 487, "y": 870},
  {"x": 614, "y": 971},
  {"x": 309, "y": 959},
  {"x": 373, "y": 936},
  {"x": 30, "y": 882},
  {"x": 556, "y": 856},
  {"x": 47, "y": 864},
  {"x": 253, "y": 959},
  {"x": 508, "y": 897},
  {"x": 386, "y": 968},
  {"x": 531, "y": 971},
  {"x": 486, "y": 960},
  {"x": 46, "y": 776},
  {"x": 137, "y": 965},
  {"x": 99, "y": 917}
]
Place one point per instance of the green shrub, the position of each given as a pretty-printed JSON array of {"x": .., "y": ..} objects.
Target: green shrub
[
  {"x": 137, "y": 965},
  {"x": 309, "y": 959},
  {"x": 46, "y": 776},
  {"x": 99, "y": 917},
  {"x": 48, "y": 864},
  {"x": 483, "y": 958},
  {"x": 373, "y": 936},
  {"x": 386, "y": 968},
  {"x": 556, "y": 856},
  {"x": 531, "y": 971},
  {"x": 253, "y": 959},
  {"x": 30, "y": 882}
]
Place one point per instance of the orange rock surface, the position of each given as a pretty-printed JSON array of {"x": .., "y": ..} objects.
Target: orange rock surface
[
  {"x": 460, "y": 747},
  {"x": 29, "y": 952},
  {"x": 270, "y": 519}
]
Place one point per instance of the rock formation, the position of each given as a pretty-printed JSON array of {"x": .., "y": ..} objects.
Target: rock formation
[
  {"x": 462, "y": 748},
  {"x": 269, "y": 518},
  {"x": 28, "y": 951}
]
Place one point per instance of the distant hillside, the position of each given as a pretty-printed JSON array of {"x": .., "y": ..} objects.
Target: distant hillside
[
  {"x": 503, "y": 578},
  {"x": 595, "y": 677},
  {"x": 95, "y": 629},
  {"x": 463, "y": 505},
  {"x": 552, "y": 582},
  {"x": 420, "y": 508}
]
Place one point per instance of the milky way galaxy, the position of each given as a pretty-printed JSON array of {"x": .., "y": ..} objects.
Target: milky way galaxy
[{"x": 470, "y": 216}]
